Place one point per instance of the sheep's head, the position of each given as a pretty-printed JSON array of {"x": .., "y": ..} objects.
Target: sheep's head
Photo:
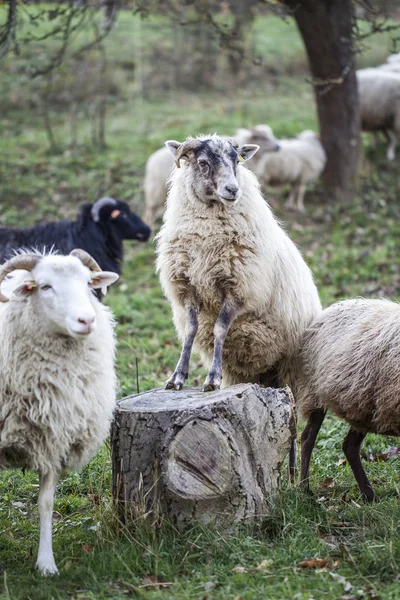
[
  {"x": 263, "y": 136},
  {"x": 60, "y": 289},
  {"x": 117, "y": 218},
  {"x": 213, "y": 162}
]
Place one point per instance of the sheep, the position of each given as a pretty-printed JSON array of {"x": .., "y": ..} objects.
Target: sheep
[
  {"x": 379, "y": 93},
  {"x": 99, "y": 229},
  {"x": 299, "y": 160},
  {"x": 349, "y": 364},
  {"x": 57, "y": 383},
  {"x": 239, "y": 289},
  {"x": 159, "y": 166}
]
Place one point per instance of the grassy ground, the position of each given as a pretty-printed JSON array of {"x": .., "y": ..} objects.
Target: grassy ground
[{"x": 352, "y": 250}]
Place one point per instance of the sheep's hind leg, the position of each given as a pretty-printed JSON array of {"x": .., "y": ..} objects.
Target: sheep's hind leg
[
  {"x": 308, "y": 438},
  {"x": 181, "y": 373},
  {"x": 226, "y": 316},
  {"x": 47, "y": 486},
  {"x": 392, "y": 141},
  {"x": 351, "y": 449}
]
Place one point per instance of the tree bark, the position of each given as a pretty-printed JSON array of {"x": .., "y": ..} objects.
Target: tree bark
[
  {"x": 190, "y": 455},
  {"x": 326, "y": 29}
]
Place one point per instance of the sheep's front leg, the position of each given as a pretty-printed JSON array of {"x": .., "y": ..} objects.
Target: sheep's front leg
[
  {"x": 300, "y": 197},
  {"x": 227, "y": 315},
  {"x": 178, "y": 377},
  {"x": 291, "y": 204},
  {"x": 392, "y": 141},
  {"x": 47, "y": 486}
]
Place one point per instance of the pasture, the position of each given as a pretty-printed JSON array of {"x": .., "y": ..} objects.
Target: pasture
[{"x": 353, "y": 250}]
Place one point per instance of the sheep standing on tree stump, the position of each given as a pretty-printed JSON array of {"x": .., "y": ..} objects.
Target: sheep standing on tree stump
[
  {"x": 239, "y": 289},
  {"x": 213, "y": 457}
]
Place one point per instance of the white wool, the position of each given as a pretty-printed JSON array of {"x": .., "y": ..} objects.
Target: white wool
[
  {"x": 379, "y": 92},
  {"x": 240, "y": 249},
  {"x": 57, "y": 391},
  {"x": 298, "y": 161}
]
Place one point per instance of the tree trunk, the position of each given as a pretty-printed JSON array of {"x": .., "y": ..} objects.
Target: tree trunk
[
  {"x": 213, "y": 457},
  {"x": 326, "y": 29}
]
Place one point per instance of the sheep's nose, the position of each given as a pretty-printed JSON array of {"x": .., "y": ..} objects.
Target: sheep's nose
[
  {"x": 88, "y": 321},
  {"x": 232, "y": 189}
]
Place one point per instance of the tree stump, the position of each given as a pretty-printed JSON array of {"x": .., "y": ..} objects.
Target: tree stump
[{"x": 194, "y": 455}]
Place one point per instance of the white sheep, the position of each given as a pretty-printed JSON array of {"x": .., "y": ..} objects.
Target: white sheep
[
  {"x": 299, "y": 160},
  {"x": 159, "y": 166},
  {"x": 57, "y": 379},
  {"x": 379, "y": 93},
  {"x": 239, "y": 288},
  {"x": 349, "y": 363}
]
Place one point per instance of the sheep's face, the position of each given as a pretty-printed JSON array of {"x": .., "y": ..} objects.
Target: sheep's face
[
  {"x": 263, "y": 136},
  {"x": 119, "y": 221},
  {"x": 61, "y": 292},
  {"x": 213, "y": 163}
]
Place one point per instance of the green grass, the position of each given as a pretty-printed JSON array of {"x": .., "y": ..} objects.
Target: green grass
[{"x": 352, "y": 250}]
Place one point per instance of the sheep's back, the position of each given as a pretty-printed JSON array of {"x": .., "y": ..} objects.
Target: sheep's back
[{"x": 350, "y": 364}]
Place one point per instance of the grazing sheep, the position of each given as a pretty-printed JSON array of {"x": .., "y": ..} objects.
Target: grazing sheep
[
  {"x": 379, "y": 93},
  {"x": 239, "y": 288},
  {"x": 159, "y": 166},
  {"x": 57, "y": 384},
  {"x": 350, "y": 364},
  {"x": 299, "y": 160},
  {"x": 99, "y": 228}
]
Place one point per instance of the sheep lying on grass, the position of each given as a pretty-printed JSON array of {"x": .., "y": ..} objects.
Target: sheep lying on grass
[
  {"x": 159, "y": 166},
  {"x": 239, "y": 288},
  {"x": 57, "y": 383},
  {"x": 379, "y": 93},
  {"x": 299, "y": 160},
  {"x": 99, "y": 228},
  {"x": 350, "y": 364}
]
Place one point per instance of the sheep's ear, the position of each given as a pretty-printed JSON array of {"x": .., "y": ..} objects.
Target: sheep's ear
[
  {"x": 247, "y": 151},
  {"x": 102, "y": 279},
  {"x": 24, "y": 289},
  {"x": 173, "y": 146}
]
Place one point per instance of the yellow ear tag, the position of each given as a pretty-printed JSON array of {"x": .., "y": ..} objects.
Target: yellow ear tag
[
  {"x": 241, "y": 158},
  {"x": 115, "y": 213}
]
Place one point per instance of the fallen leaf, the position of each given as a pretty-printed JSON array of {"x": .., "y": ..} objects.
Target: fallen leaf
[
  {"x": 314, "y": 563},
  {"x": 154, "y": 581},
  {"x": 18, "y": 504},
  {"x": 239, "y": 570},
  {"x": 347, "y": 585},
  {"x": 264, "y": 564},
  {"x": 330, "y": 541},
  {"x": 88, "y": 548},
  {"x": 68, "y": 564},
  {"x": 328, "y": 483},
  {"x": 341, "y": 461}
]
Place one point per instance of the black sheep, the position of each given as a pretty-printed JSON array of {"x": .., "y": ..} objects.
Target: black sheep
[{"x": 99, "y": 228}]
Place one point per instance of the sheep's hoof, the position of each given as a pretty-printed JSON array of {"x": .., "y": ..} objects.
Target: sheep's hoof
[
  {"x": 175, "y": 382},
  {"x": 47, "y": 567},
  {"x": 211, "y": 386}
]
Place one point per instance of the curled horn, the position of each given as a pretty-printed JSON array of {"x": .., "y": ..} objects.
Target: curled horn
[
  {"x": 86, "y": 259},
  {"x": 99, "y": 204},
  {"x": 22, "y": 261},
  {"x": 190, "y": 144}
]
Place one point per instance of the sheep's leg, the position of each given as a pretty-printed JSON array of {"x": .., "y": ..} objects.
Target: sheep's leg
[
  {"x": 292, "y": 461},
  {"x": 226, "y": 316},
  {"x": 308, "y": 438},
  {"x": 47, "y": 486},
  {"x": 392, "y": 139},
  {"x": 351, "y": 449},
  {"x": 300, "y": 197},
  {"x": 291, "y": 204},
  {"x": 177, "y": 379}
]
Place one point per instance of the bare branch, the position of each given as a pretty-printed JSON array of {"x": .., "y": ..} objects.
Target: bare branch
[{"x": 8, "y": 30}]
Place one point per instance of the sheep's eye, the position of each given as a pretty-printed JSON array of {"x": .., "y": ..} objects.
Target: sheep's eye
[
  {"x": 45, "y": 287},
  {"x": 203, "y": 163}
]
